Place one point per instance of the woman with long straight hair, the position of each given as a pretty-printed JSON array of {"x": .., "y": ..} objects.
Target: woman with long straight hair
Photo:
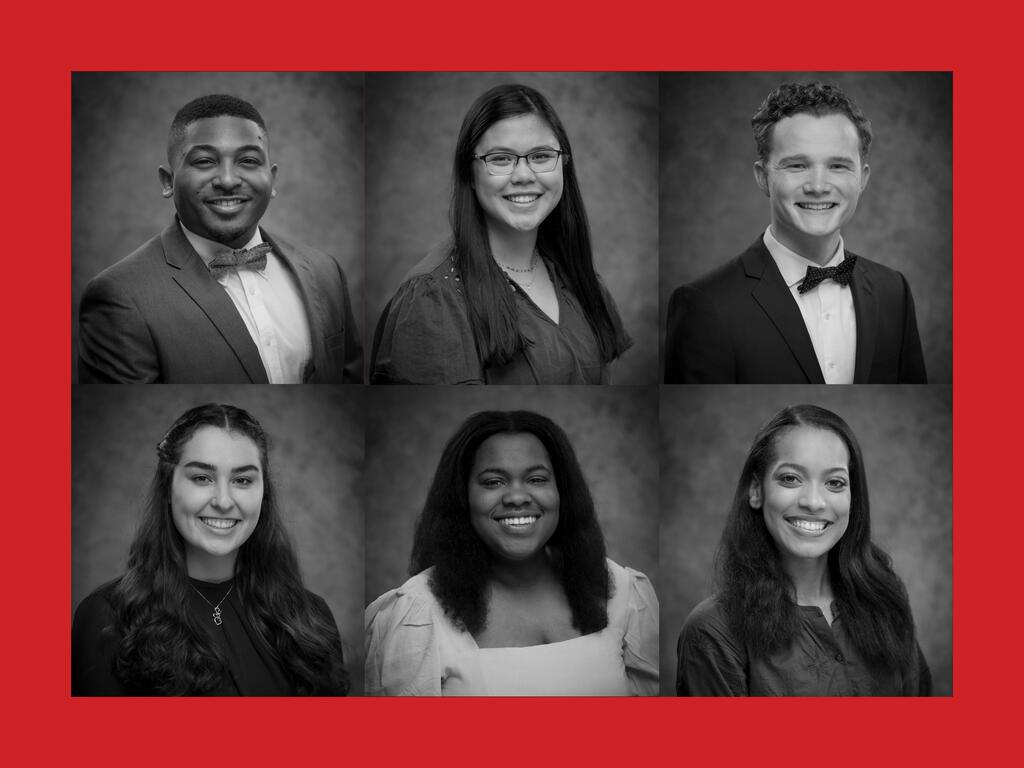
[
  {"x": 807, "y": 604},
  {"x": 512, "y": 297},
  {"x": 211, "y": 602},
  {"x": 511, "y": 592}
]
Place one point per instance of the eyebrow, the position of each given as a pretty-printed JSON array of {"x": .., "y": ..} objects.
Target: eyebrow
[
  {"x": 804, "y": 469},
  {"x": 513, "y": 152},
  {"x": 211, "y": 468},
  {"x": 217, "y": 151},
  {"x": 498, "y": 471},
  {"x": 834, "y": 158}
]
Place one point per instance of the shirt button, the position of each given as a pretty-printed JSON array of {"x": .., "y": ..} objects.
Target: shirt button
[
  {"x": 828, "y": 316},
  {"x": 252, "y": 290},
  {"x": 831, "y": 365},
  {"x": 839, "y": 658}
]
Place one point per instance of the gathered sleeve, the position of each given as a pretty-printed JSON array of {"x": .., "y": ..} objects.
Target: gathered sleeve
[
  {"x": 640, "y": 641},
  {"x": 424, "y": 335},
  {"x": 403, "y": 655},
  {"x": 711, "y": 663}
]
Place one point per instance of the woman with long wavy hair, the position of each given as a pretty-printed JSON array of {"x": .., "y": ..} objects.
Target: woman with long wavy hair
[
  {"x": 511, "y": 592},
  {"x": 807, "y": 604},
  {"x": 512, "y": 297},
  {"x": 212, "y": 602}
]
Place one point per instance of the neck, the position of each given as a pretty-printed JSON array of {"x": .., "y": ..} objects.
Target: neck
[
  {"x": 820, "y": 250},
  {"x": 521, "y": 574},
  {"x": 810, "y": 579},
  {"x": 512, "y": 247},
  {"x": 207, "y": 567}
]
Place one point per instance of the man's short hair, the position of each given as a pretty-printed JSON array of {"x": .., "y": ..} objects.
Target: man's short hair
[
  {"x": 817, "y": 99},
  {"x": 214, "y": 105}
]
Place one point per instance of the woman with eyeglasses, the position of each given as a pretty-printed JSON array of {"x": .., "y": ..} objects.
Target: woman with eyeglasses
[
  {"x": 511, "y": 593},
  {"x": 807, "y": 604},
  {"x": 512, "y": 297},
  {"x": 211, "y": 602}
]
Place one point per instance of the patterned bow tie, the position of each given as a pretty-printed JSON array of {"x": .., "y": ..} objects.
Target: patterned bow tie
[
  {"x": 841, "y": 273},
  {"x": 252, "y": 258}
]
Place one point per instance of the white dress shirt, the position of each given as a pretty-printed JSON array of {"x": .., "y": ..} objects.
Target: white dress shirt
[
  {"x": 827, "y": 310},
  {"x": 271, "y": 306}
]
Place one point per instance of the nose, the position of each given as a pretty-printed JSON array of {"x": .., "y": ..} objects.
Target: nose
[
  {"x": 817, "y": 181},
  {"x": 522, "y": 171},
  {"x": 222, "y": 496},
  {"x": 226, "y": 177},
  {"x": 515, "y": 496},
  {"x": 813, "y": 499}
]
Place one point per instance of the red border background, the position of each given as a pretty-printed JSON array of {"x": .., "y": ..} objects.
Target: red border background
[{"x": 42, "y": 723}]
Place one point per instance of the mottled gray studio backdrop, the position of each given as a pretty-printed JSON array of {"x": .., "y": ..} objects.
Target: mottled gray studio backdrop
[
  {"x": 614, "y": 431},
  {"x": 412, "y": 123},
  {"x": 711, "y": 209},
  {"x": 119, "y": 125},
  {"x": 316, "y": 460},
  {"x": 905, "y": 434}
]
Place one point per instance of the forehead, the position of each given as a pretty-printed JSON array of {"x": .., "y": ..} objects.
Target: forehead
[
  {"x": 216, "y": 445},
  {"x": 225, "y": 133},
  {"x": 521, "y": 132},
  {"x": 511, "y": 450},
  {"x": 806, "y": 134},
  {"x": 811, "y": 447}
]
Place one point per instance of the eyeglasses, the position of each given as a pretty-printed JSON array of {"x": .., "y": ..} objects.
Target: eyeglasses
[{"x": 505, "y": 163}]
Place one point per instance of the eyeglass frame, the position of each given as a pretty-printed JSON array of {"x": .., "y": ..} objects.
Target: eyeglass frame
[{"x": 526, "y": 157}]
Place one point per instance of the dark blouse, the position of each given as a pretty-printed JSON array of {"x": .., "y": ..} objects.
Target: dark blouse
[
  {"x": 820, "y": 662},
  {"x": 425, "y": 335},
  {"x": 253, "y": 669}
]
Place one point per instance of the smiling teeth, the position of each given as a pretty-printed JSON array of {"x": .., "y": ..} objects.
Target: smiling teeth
[
  {"x": 816, "y": 206},
  {"x": 807, "y": 525},
  {"x": 226, "y": 203},
  {"x": 513, "y": 522},
  {"x": 217, "y": 522},
  {"x": 522, "y": 198}
]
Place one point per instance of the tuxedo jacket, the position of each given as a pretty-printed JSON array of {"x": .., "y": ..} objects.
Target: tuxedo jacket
[
  {"x": 159, "y": 316},
  {"x": 739, "y": 324}
]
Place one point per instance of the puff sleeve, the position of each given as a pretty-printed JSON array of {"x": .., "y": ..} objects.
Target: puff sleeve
[
  {"x": 403, "y": 655},
  {"x": 640, "y": 641}
]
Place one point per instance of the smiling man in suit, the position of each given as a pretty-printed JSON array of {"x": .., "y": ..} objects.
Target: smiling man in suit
[
  {"x": 214, "y": 298},
  {"x": 796, "y": 306}
]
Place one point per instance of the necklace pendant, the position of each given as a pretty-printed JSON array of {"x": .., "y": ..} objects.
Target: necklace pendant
[{"x": 216, "y": 616}]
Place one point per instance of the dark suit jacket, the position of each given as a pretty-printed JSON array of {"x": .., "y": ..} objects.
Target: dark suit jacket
[
  {"x": 740, "y": 325},
  {"x": 159, "y": 316}
]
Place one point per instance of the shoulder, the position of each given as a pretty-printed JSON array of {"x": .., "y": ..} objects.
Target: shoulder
[
  {"x": 632, "y": 591},
  {"x": 726, "y": 276},
  {"x": 706, "y": 620},
  {"x": 412, "y": 604},
  {"x": 96, "y": 610},
  {"x": 877, "y": 272},
  {"x": 135, "y": 269},
  {"x": 303, "y": 254}
]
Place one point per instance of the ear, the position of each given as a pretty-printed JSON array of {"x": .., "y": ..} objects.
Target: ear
[
  {"x": 273, "y": 178},
  {"x": 761, "y": 177},
  {"x": 754, "y": 493},
  {"x": 864, "y": 176},
  {"x": 166, "y": 181}
]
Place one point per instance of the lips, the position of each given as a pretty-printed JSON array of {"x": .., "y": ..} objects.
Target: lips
[
  {"x": 523, "y": 199},
  {"x": 225, "y": 204},
  {"x": 806, "y": 526},
  {"x": 219, "y": 523},
  {"x": 817, "y": 206}
]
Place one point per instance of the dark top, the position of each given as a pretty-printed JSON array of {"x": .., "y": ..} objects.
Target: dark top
[
  {"x": 252, "y": 664},
  {"x": 739, "y": 324},
  {"x": 425, "y": 337},
  {"x": 820, "y": 662}
]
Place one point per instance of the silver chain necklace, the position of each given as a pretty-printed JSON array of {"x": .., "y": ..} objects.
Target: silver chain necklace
[
  {"x": 533, "y": 266},
  {"x": 216, "y": 608}
]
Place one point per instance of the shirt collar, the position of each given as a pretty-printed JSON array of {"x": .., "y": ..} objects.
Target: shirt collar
[
  {"x": 792, "y": 265},
  {"x": 208, "y": 249}
]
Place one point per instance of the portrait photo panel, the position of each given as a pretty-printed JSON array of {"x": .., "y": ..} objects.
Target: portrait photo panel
[
  {"x": 315, "y": 462},
  {"x": 711, "y": 208},
  {"x": 120, "y": 124},
  {"x": 905, "y": 435},
  {"x": 412, "y": 124}
]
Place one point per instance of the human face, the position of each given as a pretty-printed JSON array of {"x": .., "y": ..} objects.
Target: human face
[
  {"x": 805, "y": 494},
  {"x": 521, "y": 201},
  {"x": 813, "y": 177},
  {"x": 513, "y": 496},
  {"x": 216, "y": 494},
  {"x": 221, "y": 179}
]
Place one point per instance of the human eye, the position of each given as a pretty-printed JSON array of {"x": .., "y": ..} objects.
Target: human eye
[
  {"x": 201, "y": 479},
  {"x": 244, "y": 481},
  {"x": 788, "y": 479},
  {"x": 500, "y": 159},
  {"x": 543, "y": 156},
  {"x": 251, "y": 162},
  {"x": 491, "y": 482},
  {"x": 794, "y": 167},
  {"x": 837, "y": 484},
  {"x": 202, "y": 162},
  {"x": 538, "y": 479}
]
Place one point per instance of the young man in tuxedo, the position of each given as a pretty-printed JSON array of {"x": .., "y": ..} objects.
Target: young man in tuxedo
[
  {"x": 796, "y": 306},
  {"x": 214, "y": 298}
]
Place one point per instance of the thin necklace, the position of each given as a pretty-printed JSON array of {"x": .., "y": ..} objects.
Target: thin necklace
[
  {"x": 216, "y": 608},
  {"x": 533, "y": 266}
]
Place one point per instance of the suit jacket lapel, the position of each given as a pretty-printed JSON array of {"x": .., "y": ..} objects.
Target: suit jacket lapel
[
  {"x": 311, "y": 298},
  {"x": 775, "y": 298},
  {"x": 195, "y": 279},
  {"x": 865, "y": 308}
]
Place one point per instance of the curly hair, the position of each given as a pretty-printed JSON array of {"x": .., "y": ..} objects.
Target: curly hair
[
  {"x": 161, "y": 647},
  {"x": 755, "y": 591},
  {"x": 446, "y": 541},
  {"x": 214, "y": 105},
  {"x": 817, "y": 99},
  {"x": 563, "y": 236}
]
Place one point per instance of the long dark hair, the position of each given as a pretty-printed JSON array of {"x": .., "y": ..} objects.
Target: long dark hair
[
  {"x": 563, "y": 236},
  {"x": 162, "y": 648},
  {"x": 445, "y": 538},
  {"x": 756, "y": 593}
]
